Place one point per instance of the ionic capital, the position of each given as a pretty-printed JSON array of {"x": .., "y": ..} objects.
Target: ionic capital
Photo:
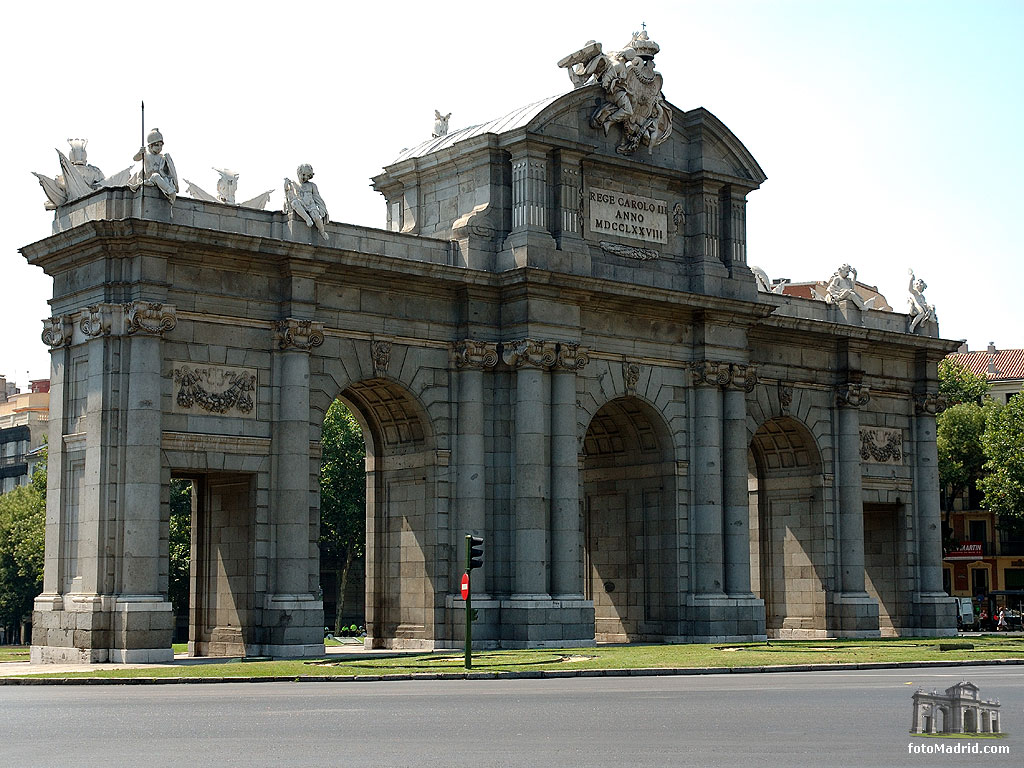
[
  {"x": 710, "y": 373},
  {"x": 528, "y": 353},
  {"x": 97, "y": 320},
  {"x": 301, "y": 335},
  {"x": 475, "y": 354},
  {"x": 852, "y": 395},
  {"x": 742, "y": 377},
  {"x": 929, "y": 403},
  {"x": 571, "y": 357},
  {"x": 57, "y": 331},
  {"x": 144, "y": 317}
]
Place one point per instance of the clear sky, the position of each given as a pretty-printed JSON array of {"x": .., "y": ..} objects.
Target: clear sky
[{"x": 890, "y": 132}]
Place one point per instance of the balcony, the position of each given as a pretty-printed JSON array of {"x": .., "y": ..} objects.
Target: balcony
[{"x": 1011, "y": 547}]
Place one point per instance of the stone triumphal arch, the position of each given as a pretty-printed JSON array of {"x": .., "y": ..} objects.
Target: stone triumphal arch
[{"x": 556, "y": 343}]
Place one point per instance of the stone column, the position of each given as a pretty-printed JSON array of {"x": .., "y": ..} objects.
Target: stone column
[
  {"x": 566, "y": 531},
  {"x": 707, "y": 518},
  {"x": 142, "y": 621},
  {"x": 934, "y": 612},
  {"x": 472, "y": 358},
  {"x": 532, "y": 361},
  {"x": 929, "y": 514},
  {"x": 290, "y": 484},
  {"x": 850, "y": 398},
  {"x": 742, "y": 380}
]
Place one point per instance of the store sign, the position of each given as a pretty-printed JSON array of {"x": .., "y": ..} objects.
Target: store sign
[{"x": 968, "y": 550}]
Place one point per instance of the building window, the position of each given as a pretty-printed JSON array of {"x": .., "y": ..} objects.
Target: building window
[
  {"x": 1013, "y": 578},
  {"x": 947, "y": 580},
  {"x": 979, "y": 581}
]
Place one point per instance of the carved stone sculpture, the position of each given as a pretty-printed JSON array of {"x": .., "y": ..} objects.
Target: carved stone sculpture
[
  {"x": 147, "y": 317},
  {"x": 380, "y": 351},
  {"x": 842, "y": 287},
  {"x": 157, "y": 167},
  {"x": 77, "y": 178},
  {"x": 303, "y": 199},
  {"x": 632, "y": 90},
  {"x": 920, "y": 310},
  {"x": 226, "y": 186},
  {"x": 440, "y": 124}
]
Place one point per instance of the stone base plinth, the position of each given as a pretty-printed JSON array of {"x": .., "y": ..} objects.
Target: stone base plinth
[
  {"x": 854, "y": 614},
  {"x": 723, "y": 619},
  {"x": 935, "y": 615},
  {"x": 293, "y": 624},
  {"x": 95, "y": 629}
]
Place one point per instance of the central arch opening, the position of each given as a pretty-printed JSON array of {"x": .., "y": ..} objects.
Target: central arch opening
[
  {"x": 787, "y": 542},
  {"x": 389, "y": 549},
  {"x": 629, "y": 525}
]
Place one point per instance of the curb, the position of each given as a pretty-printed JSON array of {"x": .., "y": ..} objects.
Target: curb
[{"x": 554, "y": 674}]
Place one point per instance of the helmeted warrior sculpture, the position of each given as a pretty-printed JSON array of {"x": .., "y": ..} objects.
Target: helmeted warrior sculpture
[
  {"x": 227, "y": 184},
  {"x": 77, "y": 178},
  {"x": 920, "y": 310},
  {"x": 157, "y": 167},
  {"x": 303, "y": 199},
  {"x": 632, "y": 87}
]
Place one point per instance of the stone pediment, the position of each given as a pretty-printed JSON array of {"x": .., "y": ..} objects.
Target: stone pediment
[{"x": 699, "y": 142}]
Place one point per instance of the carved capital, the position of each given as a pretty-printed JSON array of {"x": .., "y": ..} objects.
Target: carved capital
[
  {"x": 571, "y": 357},
  {"x": 57, "y": 331},
  {"x": 742, "y": 377},
  {"x": 710, "y": 373},
  {"x": 147, "y": 317},
  {"x": 475, "y": 354},
  {"x": 97, "y": 320},
  {"x": 298, "y": 334},
  {"x": 929, "y": 403},
  {"x": 852, "y": 395},
  {"x": 630, "y": 376},
  {"x": 528, "y": 353},
  {"x": 785, "y": 396},
  {"x": 380, "y": 351}
]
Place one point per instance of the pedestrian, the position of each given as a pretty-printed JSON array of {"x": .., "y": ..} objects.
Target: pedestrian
[{"x": 1001, "y": 623}]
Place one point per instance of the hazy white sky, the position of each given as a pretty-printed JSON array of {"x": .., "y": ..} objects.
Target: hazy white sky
[{"x": 889, "y": 131}]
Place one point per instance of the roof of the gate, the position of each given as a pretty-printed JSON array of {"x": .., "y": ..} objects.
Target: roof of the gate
[{"x": 515, "y": 119}]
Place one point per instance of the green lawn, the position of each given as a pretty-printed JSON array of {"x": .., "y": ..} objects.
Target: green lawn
[
  {"x": 13, "y": 653},
  {"x": 604, "y": 657}
]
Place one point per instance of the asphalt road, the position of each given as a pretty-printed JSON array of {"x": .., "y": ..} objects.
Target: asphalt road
[{"x": 856, "y": 718}]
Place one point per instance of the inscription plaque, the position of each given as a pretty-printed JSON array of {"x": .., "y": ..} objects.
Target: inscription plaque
[{"x": 630, "y": 216}]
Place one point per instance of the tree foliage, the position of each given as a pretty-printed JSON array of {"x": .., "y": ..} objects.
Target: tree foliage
[
  {"x": 1003, "y": 483},
  {"x": 180, "y": 544},
  {"x": 958, "y": 385},
  {"x": 959, "y": 432},
  {"x": 342, "y": 495},
  {"x": 22, "y": 533}
]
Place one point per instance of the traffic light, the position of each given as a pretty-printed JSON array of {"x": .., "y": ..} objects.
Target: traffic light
[{"x": 474, "y": 552}]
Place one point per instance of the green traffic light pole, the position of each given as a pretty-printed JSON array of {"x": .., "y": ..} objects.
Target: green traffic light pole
[{"x": 469, "y": 604}]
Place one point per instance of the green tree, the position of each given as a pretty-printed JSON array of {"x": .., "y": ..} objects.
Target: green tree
[
  {"x": 342, "y": 497},
  {"x": 958, "y": 385},
  {"x": 1003, "y": 483},
  {"x": 959, "y": 431},
  {"x": 22, "y": 533},
  {"x": 180, "y": 544}
]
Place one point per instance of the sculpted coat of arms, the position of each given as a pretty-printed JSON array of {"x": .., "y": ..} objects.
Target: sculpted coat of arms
[{"x": 632, "y": 87}]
